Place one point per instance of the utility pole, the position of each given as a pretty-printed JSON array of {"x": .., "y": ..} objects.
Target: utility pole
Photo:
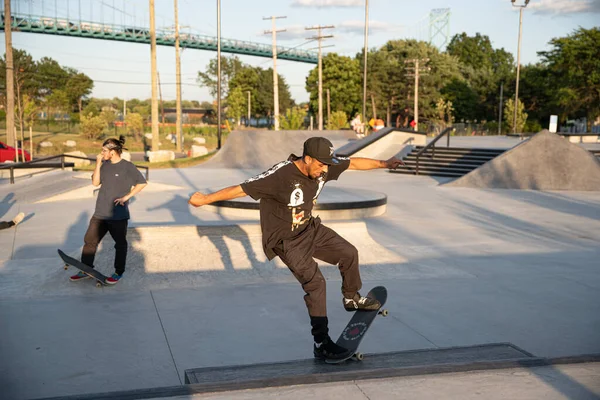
[
  {"x": 249, "y": 108},
  {"x": 274, "y": 32},
  {"x": 417, "y": 72},
  {"x": 153, "y": 73},
  {"x": 10, "y": 78},
  {"x": 518, "y": 64},
  {"x": 162, "y": 105},
  {"x": 500, "y": 110},
  {"x": 328, "y": 107},
  {"x": 218, "y": 74},
  {"x": 178, "y": 130},
  {"x": 320, "y": 37},
  {"x": 366, "y": 47}
]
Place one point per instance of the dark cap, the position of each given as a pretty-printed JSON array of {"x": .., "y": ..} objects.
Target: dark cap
[{"x": 320, "y": 149}]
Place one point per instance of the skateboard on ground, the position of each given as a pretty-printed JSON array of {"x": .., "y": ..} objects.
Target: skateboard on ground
[
  {"x": 354, "y": 332},
  {"x": 91, "y": 272}
]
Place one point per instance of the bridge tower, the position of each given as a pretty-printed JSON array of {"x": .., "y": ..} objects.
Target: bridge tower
[{"x": 439, "y": 27}]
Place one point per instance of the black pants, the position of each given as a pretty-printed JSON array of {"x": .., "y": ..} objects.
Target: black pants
[
  {"x": 6, "y": 224},
  {"x": 96, "y": 231},
  {"x": 320, "y": 242}
]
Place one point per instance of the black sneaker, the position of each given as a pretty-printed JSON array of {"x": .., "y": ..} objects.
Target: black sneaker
[
  {"x": 359, "y": 302},
  {"x": 329, "y": 350}
]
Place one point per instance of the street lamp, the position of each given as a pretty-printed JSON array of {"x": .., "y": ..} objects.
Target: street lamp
[{"x": 518, "y": 62}]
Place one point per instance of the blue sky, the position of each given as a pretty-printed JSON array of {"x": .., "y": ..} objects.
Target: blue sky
[{"x": 129, "y": 64}]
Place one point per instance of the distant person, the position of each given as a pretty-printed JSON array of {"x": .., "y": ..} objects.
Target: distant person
[
  {"x": 378, "y": 124},
  {"x": 287, "y": 194},
  {"x": 120, "y": 180},
  {"x": 15, "y": 221},
  {"x": 358, "y": 126}
]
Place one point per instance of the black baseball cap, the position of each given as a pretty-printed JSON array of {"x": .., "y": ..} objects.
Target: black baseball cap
[{"x": 320, "y": 149}]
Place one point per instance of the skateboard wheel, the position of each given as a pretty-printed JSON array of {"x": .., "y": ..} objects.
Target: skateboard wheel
[
  {"x": 98, "y": 284},
  {"x": 66, "y": 266},
  {"x": 383, "y": 313},
  {"x": 358, "y": 356}
]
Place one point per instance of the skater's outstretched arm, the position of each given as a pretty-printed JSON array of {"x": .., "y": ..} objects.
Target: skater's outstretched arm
[
  {"x": 232, "y": 192},
  {"x": 363, "y": 164}
]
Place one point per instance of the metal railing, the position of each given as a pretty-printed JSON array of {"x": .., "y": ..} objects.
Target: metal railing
[
  {"x": 12, "y": 166},
  {"x": 431, "y": 145}
]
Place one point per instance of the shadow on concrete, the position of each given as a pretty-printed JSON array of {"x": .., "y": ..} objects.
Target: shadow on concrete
[
  {"x": 6, "y": 204},
  {"x": 180, "y": 212}
]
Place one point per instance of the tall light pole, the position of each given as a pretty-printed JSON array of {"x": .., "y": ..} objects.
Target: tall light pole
[
  {"x": 218, "y": 74},
  {"x": 518, "y": 63},
  {"x": 11, "y": 140},
  {"x": 154, "y": 102},
  {"x": 178, "y": 130},
  {"x": 366, "y": 49}
]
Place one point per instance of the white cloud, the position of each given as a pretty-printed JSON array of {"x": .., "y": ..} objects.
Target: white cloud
[
  {"x": 328, "y": 3},
  {"x": 299, "y": 32},
  {"x": 563, "y": 7}
]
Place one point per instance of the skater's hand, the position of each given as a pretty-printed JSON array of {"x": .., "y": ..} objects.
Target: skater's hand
[
  {"x": 394, "y": 163},
  {"x": 198, "y": 199},
  {"x": 121, "y": 201},
  {"x": 99, "y": 159}
]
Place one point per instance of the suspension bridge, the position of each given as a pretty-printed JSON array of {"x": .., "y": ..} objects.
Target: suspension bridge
[{"x": 77, "y": 27}]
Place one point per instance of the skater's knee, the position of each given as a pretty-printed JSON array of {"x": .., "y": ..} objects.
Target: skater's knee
[
  {"x": 349, "y": 252},
  {"x": 311, "y": 278}
]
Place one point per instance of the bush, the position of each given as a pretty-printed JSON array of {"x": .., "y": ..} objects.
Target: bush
[
  {"x": 532, "y": 126},
  {"x": 337, "y": 121},
  {"x": 293, "y": 119}
]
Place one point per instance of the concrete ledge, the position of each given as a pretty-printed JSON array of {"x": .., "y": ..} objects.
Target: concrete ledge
[{"x": 376, "y": 366}]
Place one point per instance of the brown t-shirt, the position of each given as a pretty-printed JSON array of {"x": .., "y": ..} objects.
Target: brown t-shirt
[{"x": 287, "y": 197}]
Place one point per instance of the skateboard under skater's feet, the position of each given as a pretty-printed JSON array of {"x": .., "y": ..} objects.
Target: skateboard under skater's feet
[{"x": 361, "y": 320}]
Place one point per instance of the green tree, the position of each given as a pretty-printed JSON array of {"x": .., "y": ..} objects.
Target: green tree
[
  {"x": 58, "y": 102},
  {"x": 483, "y": 69},
  {"x": 509, "y": 115},
  {"x": 235, "y": 104},
  {"x": 229, "y": 68},
  {"x": 78, "y": 87},
  {"x": 91, "y": 108},
  {"x": 342, "y": 76},
  {"x": 574, "y": 62},
  {"x": 50, "y": 76},
  {"x": 440, "y": 70},
  {"x": 264, "y": 93},
  {"x": 293, "y": 119},
  {"x": 25, "y": 85}
]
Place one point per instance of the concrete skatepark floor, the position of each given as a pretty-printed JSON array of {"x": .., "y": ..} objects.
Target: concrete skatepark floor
[{"x": 463, "y": 267}]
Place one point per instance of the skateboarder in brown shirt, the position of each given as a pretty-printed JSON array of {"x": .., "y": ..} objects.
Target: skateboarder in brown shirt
[{"x": 287, "y": 193}]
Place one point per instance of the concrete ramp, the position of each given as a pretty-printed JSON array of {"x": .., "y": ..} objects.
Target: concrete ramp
[
  {"x": 251, "y": 149},
  {"x": 544, "y": 162},
  {"x": 384, "y": 144}
]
